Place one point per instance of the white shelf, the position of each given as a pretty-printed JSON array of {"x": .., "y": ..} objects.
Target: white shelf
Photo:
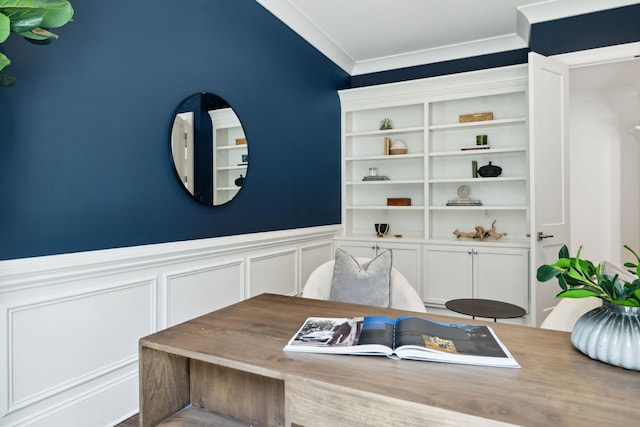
[
  {"x": 228, "y": 188},
  {"x": 436, "y": 163},
  {"x": 483, "y": 180},
  {"x": 489, "y": 151},
  {"x": 385, "y": 132},
  {"x": 479, "y": 208},
  {"x": 386, "y": 182},
  {"x": 232, "y": 147},
  {"x": 384, "y": 157},
  {"x": 385, "y": 208},
  {"x": 232, "y": 168},
  {"x": 483, "y": 123}
]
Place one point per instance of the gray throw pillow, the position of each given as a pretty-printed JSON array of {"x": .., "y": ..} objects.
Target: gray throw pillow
[{"x": 367, "y": 284}]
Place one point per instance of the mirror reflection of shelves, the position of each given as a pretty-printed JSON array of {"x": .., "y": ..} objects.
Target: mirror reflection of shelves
[{"x": 231, "y": 155}]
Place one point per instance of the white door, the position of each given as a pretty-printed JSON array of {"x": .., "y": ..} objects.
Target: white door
[
  {"x": 182, "y": 148},
  {"x": 549, "y": 166}
]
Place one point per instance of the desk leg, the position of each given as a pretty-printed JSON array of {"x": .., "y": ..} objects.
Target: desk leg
[{"x": 164, "y": 385}]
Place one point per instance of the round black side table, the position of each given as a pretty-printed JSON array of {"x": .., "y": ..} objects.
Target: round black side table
[{"x": 476, "y": 307}]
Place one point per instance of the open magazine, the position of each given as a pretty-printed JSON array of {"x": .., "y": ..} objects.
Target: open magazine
[{"x": 406, "y": 337}]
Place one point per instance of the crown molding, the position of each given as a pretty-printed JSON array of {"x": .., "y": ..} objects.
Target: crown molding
[
  {"x": 441, "y": 54},
  {"x": 299, "y": 23},
  {"x": 525, "y": 16}
]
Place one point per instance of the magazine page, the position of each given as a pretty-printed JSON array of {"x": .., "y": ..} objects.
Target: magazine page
[
  {"x": 423, "y": 339},
  {"x": 343, "y": 336}
]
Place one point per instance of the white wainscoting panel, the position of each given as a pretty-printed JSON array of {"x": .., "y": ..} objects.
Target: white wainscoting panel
[
  {"x": 276, "y": 272},
  {"x": 202, "y": 290},
  {"x": 70, "y": 323},
  {"x": 58, "y": 343},
  {"x": 312, "y": 256}
]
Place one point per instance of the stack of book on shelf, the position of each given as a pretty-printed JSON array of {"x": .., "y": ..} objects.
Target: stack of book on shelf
[
  {"x": 407, "y": 337},
  {"x": 376, "y": 178},
  {"x": 468, "y": 202},
  {"x": 476, "y": 147}
]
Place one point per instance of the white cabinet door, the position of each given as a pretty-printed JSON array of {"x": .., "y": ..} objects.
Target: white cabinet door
[
  {"x": 502, "y": 274},
  {"x": 448, "y": 272},
  {"x": 405, "y": 257},
  {"x": 498, "y": 273}
]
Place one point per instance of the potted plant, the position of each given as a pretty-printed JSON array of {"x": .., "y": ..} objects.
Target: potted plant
[
  {"x": 610, "y": 333},
  {"x": 31, "y": 19}
]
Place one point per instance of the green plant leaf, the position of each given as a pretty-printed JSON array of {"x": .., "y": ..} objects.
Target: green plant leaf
[
  {"x": 57, "y": 16},
  {"x": 562, "y": 281},
  {"x": 38, "y": 34},
  {"x": 24, "y": 19},
  {"x": 563, "y": 263},
  {"x": 5, "y": 27},
  {"x": 4, "y": 61},
  {"x": 564, "y": 252},
  {"x": 578, "y": 293},
  {"x": 32, "y": 4},
  {"x": 6, "y": 79},
  {"x": 629, "y": 302},
  {"x": 547, "y": 272}
]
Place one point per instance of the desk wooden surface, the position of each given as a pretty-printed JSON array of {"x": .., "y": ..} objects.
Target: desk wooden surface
[{"x": 557, "y": 385}]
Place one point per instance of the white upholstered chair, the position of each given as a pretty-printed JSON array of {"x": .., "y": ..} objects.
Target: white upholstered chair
[
  {"x": 568, "y": 310},
  {"x": 403, "y": 296}
]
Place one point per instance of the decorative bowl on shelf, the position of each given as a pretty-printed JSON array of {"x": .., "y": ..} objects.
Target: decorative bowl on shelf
[
  {"x": 398, "y": 147},
  {"x": 382, "y": 229},
  {"x": 489, "y": 171}
]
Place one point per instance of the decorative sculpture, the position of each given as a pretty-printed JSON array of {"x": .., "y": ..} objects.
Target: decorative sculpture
[{"x": 480, "y": 233}]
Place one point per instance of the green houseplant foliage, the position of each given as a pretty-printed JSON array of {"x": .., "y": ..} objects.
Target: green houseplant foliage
[
  {"x": 33, "y": 20},
  {"x": 580, "y": 278}
]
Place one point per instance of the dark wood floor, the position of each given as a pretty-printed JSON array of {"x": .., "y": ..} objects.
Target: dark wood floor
[{"x": 130, "y": 422}]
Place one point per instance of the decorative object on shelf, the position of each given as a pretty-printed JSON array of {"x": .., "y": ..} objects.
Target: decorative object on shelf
[
  {"x": 480, "y": 233},
  {"x": 475, "y": 117},
  {"x": 386, "y": 124},
  {"x": 382, "y": 229},
  {"x": 463, "y": 198},
  {"x": 373, "y": 171},
  {"x": 241, "y": 141},
  {"x": 481, "y": 139},
  {"x": 376, "y": 178},
  {"x": 31, "y": 20},
  {"x": 489, "y": 171},
  {"x": 398, "y": 201},
  {"x": 398, "y": 147},
  {"x": 610, "y": 333},
  {"x": 239, "y": 181},
  {"x": 245, "y": 160},
  {"x": 387, "y": 146},
  {"x": 474, "y": 169}
]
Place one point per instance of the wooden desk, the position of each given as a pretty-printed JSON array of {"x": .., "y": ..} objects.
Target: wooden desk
[{"x": 231, "y": 362}]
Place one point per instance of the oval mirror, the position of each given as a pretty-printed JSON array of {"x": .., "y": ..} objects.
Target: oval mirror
[{"x": 209, "y": 149}]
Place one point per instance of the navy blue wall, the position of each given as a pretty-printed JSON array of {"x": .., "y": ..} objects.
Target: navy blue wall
[
  {"x": 84, "y": 133},
  {"x": 84, "y": 159}
]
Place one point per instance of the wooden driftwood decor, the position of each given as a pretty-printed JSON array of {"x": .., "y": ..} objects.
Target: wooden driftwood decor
[{"x": 480, "y": 233}]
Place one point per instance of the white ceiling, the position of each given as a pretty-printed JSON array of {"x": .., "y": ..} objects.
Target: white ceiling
[{"x": 364, "y": 36}]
